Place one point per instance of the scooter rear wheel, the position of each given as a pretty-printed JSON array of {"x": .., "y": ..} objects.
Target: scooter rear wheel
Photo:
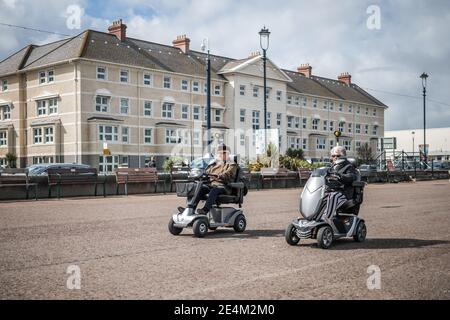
[
  {"x": 174, "y": 230},
  {"x": 325, "y": 237},
  {"x": 291, "y": 235},
  {"x": 240, "y": 224},
  {"x": 361, "y": 232}
]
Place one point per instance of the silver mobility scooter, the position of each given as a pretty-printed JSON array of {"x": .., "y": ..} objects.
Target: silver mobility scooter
[
  {"x": 218, "y": 216},
  {"x": 312, "y": 207}
]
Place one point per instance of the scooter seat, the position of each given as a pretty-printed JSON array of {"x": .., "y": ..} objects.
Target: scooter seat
[{"x": 226, "y": 199}]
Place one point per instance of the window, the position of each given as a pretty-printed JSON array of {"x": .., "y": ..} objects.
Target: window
[
  {"x": 350, "y": 129},
  {"x": 147, "y": 79},
  {"x": 205, "y": 88},
  {"x": 358, "y": 128},
  {"x": 375, "y": 130},
  {"x": 217, "y": 90},
  {"x": 167, "y": 110},
  {"x": 3, "y": 138},
  {"x": 297, "y": 122},
  {"x": 279, "y": 119},
  {"x": 279, "y": 95},
  {"x": 172, "y": 136},
  {"x": 148, "y": 136},
  {"x": 331, "y": 105},
  {"x": 44, "y": 159},
  {"x": 341, "y": 107},
  {"x": 184, "y": 85},
  {"x": 331, "y": 143},
  {"x": 305, "y": 144},
  {"x": 242, "y": 90},
  {"x": 50, "y": 76},
  {"x": 101, "y": 104},
  {"x": 297, "y": 100},
  {"x": 350, "y": 109},
  {"x": 124, "y": 76},
  {"x": 341, "y": 126},
  {"x": 357, "y": 144},
  {"x": 52, "y": 106},
  {"x": 267, "y": 93},
  {"x": 255, "y": 92},
  {"x": 321, "y": 143},
  {"x": 331, "y": 125},
  {"x": 255, "y": 120},
  {"x": 125, "y": 135},
  {"x": 366, "y": 129},
  {"x": 48, "y": 133},
  {"x": 315, "y": 103},
  {"x": 242, "y": 115},
  {"x": 42, "y": 107},
  {"x": 305, "y": 101},
  {"x": 315, "y": 124},
  {"x": 196, "y": 112},
  {"x": 125, "y": 161},
  {"x": 218, "y": 115},
  {"x": 374, "y": 113},
  {"x": 305, "y": 123},
  {"x": 294, "y": 143},
  {"x": 42, "y": 77},
  {"x": 358, "y": 110},
  {"x": 195, "y": 86},
  {"x": 289, "y": 121},
  {"x": 325, "y": 105},
  {"x": 167, "y": 82},
  {"x": 147, "y": 108},
  {"x": 5, "y": 112},
  {"x": 4, "y": 85},
  {"x": 37, "y": 135},
  {"x": 101, "y": 73},
  {"x": 269, "y": 115},
  {"x": 108, "y": 164},
  {"x": 325, "y": 125},
  {"x": 196, "y": 139},
  {"x": 289, "y": 99},
  {"x": 108, "y": 133},
  {"x": 242, "y": 139},
  {"x": 184, "y": 111},
  {"x": 367, "y": 111},
  {"x": 347, "y": 145},
  {"x": 124, "y": 105}
]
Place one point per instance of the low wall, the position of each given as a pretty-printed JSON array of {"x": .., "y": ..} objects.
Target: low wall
[{"x": 165, "y": 185}]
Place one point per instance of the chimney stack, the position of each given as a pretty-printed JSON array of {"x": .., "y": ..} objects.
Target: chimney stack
[
  {"x": 345, "y": 78},
  {"x": 305, "y": 69},
  {"x": 182, "y": 42},
  {"x": 118, "y": 29}
]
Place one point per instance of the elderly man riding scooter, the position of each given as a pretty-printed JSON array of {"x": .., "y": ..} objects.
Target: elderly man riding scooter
[
  {"x": 222, "y": 171},
  {"x": 342, "y": 175}
]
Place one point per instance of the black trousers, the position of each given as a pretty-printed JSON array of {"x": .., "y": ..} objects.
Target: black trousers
[{"x": 210, "y": 194}]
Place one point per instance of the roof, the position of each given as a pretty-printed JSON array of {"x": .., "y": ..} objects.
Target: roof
[{"x": 95, "y": 45}]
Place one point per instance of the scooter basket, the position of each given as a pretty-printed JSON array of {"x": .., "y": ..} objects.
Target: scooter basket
[{"x": 185, "y": 189}]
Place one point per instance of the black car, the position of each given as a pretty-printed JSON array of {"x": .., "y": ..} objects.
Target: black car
[{"x": 41, "y": 169}]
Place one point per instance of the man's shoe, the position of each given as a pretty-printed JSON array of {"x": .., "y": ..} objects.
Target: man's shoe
[
  {"x": 202, "y": 211},
  {"x": 181, "y": 209}
]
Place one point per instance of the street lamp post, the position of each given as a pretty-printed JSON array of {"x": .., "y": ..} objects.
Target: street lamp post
[
  {"x": 205, "y": 48},
  {"x": 413, "y": 135},
  {"x": 424, "y": 78},
  {"x": 264, "y": 35}
]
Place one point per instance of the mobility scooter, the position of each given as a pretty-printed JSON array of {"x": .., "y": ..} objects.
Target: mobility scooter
[
  {"x": 218, "y": 216},
  {"x": 312, "y": 206}
]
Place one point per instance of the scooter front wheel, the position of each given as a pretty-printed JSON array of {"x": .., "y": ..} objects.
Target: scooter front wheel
[
  {"x": 291, "y": 235},
  {"x": 200, "y": 228},
  {"x": 325, "y": 237},
  {"x": 172, "y": 229}
]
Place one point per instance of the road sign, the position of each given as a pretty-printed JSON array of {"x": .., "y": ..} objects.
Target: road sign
[{"x": 106, "y": 151}]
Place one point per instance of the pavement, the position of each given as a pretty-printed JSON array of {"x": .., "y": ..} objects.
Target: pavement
[{"x": 123, "y": 250}]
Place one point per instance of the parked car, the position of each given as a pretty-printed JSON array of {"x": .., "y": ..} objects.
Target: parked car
[
  {"x": 41, "y": 169},
  {"x": 367, "y": 168}
]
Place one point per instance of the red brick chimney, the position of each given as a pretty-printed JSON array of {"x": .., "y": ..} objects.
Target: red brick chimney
[
  {"x": 345, "y": 78},
  {"x": 305, "y": 69},
  {"x": 118, "y": 29},
  {"x": 182, "y": 42}
]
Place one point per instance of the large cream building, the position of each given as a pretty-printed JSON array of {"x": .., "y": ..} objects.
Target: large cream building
[{"x": 61, "y": 102}]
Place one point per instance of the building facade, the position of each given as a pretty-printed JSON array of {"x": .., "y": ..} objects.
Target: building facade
[{"x": 63, "y": 101}]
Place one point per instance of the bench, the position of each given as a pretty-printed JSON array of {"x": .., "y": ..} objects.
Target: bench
[
  {"x": 18, "y": 178},
  {"x": 73, "y": 176},
  {"x": 275, "y": 174},
  {"x": 136, "y": 175},
  {"x": 303, "y": 175}
]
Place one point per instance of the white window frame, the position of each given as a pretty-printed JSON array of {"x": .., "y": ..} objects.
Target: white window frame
[
  {"x": 196, "y": 113},
  {"x": 279, "y": 95},
  {"x": 290, "y": 121},
  {"x": 305, "y": 123},
  {"x": 148, "y": 108},
  {"x": 4, "y": 85},
  {"x": 3, "y": 138},
  {"x": 5, "y": 112},
  {"x": 255, "y": 92},
  {"x": 124, "y": 76},
  {"x": 375, "y": 130},
  {"x": 341, "y": 126},
  {"x": 242, "y": 90},
  {"x": 42, "y": 77},
  {"x": 256, "y": 119},
  {"x": 196, "y": 138},
  {"x": 172, "y": 136},
  {"x": 217, "y": 115},
  {"x": 52, "y": 106},
  {"x": 321, "y": 143},
  {"x": 217, "y": 90},
  {"x": 37, "y": 135},
  {"x": 148, "y": 135},
  {"x": 305, "y": 144},
  {"x": 358, "y": 128},
  {"x": 331, "y": 125},
  {"x": 50, "y": 76},
  {"x": 102, "y": 133},
  {"x": 196, "y": 86},
  {"x": 41, "y": 106},
  {"x": 103, "y": 76},
  {"x": 167, "y": 82},
  {"x": 185, "y": 112},
  {"x": 102, "y": 107},
  {"x": 315, "y": 124},
  {"x": 184, "y": 85},
  {"x": 103, "y": 163},
  {"x": 242, "y": 113},
  {"x": 279, "y": 119},
  {"x": 325, "y": 125},
  {"x": 167, "y": 110},
  {"x": 49, "y": 135},
  {"x": 124, "y": 107},
  {"x": 289, "y": 99},
  {"x": 147, "y": 79},
  {"x": 126, "y": 135}
]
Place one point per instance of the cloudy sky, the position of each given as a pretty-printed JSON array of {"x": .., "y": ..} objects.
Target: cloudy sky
[{"x": 386, "y": 58}]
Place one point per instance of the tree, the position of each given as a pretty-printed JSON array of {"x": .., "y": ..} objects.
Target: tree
[
  {"x": 365, "y": 153},
  {"x": 11, "y": 158},
  {"x": 295, "y": 153}
]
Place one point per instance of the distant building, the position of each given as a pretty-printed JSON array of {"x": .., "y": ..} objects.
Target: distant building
[
  {"x": 60, "y": 102},
  {"x": 438, "y": 141}
]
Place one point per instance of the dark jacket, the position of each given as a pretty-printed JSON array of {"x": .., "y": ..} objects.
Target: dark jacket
[
  {"x": 227, "y": 172},
  {"x": 347, "y": 175}
]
